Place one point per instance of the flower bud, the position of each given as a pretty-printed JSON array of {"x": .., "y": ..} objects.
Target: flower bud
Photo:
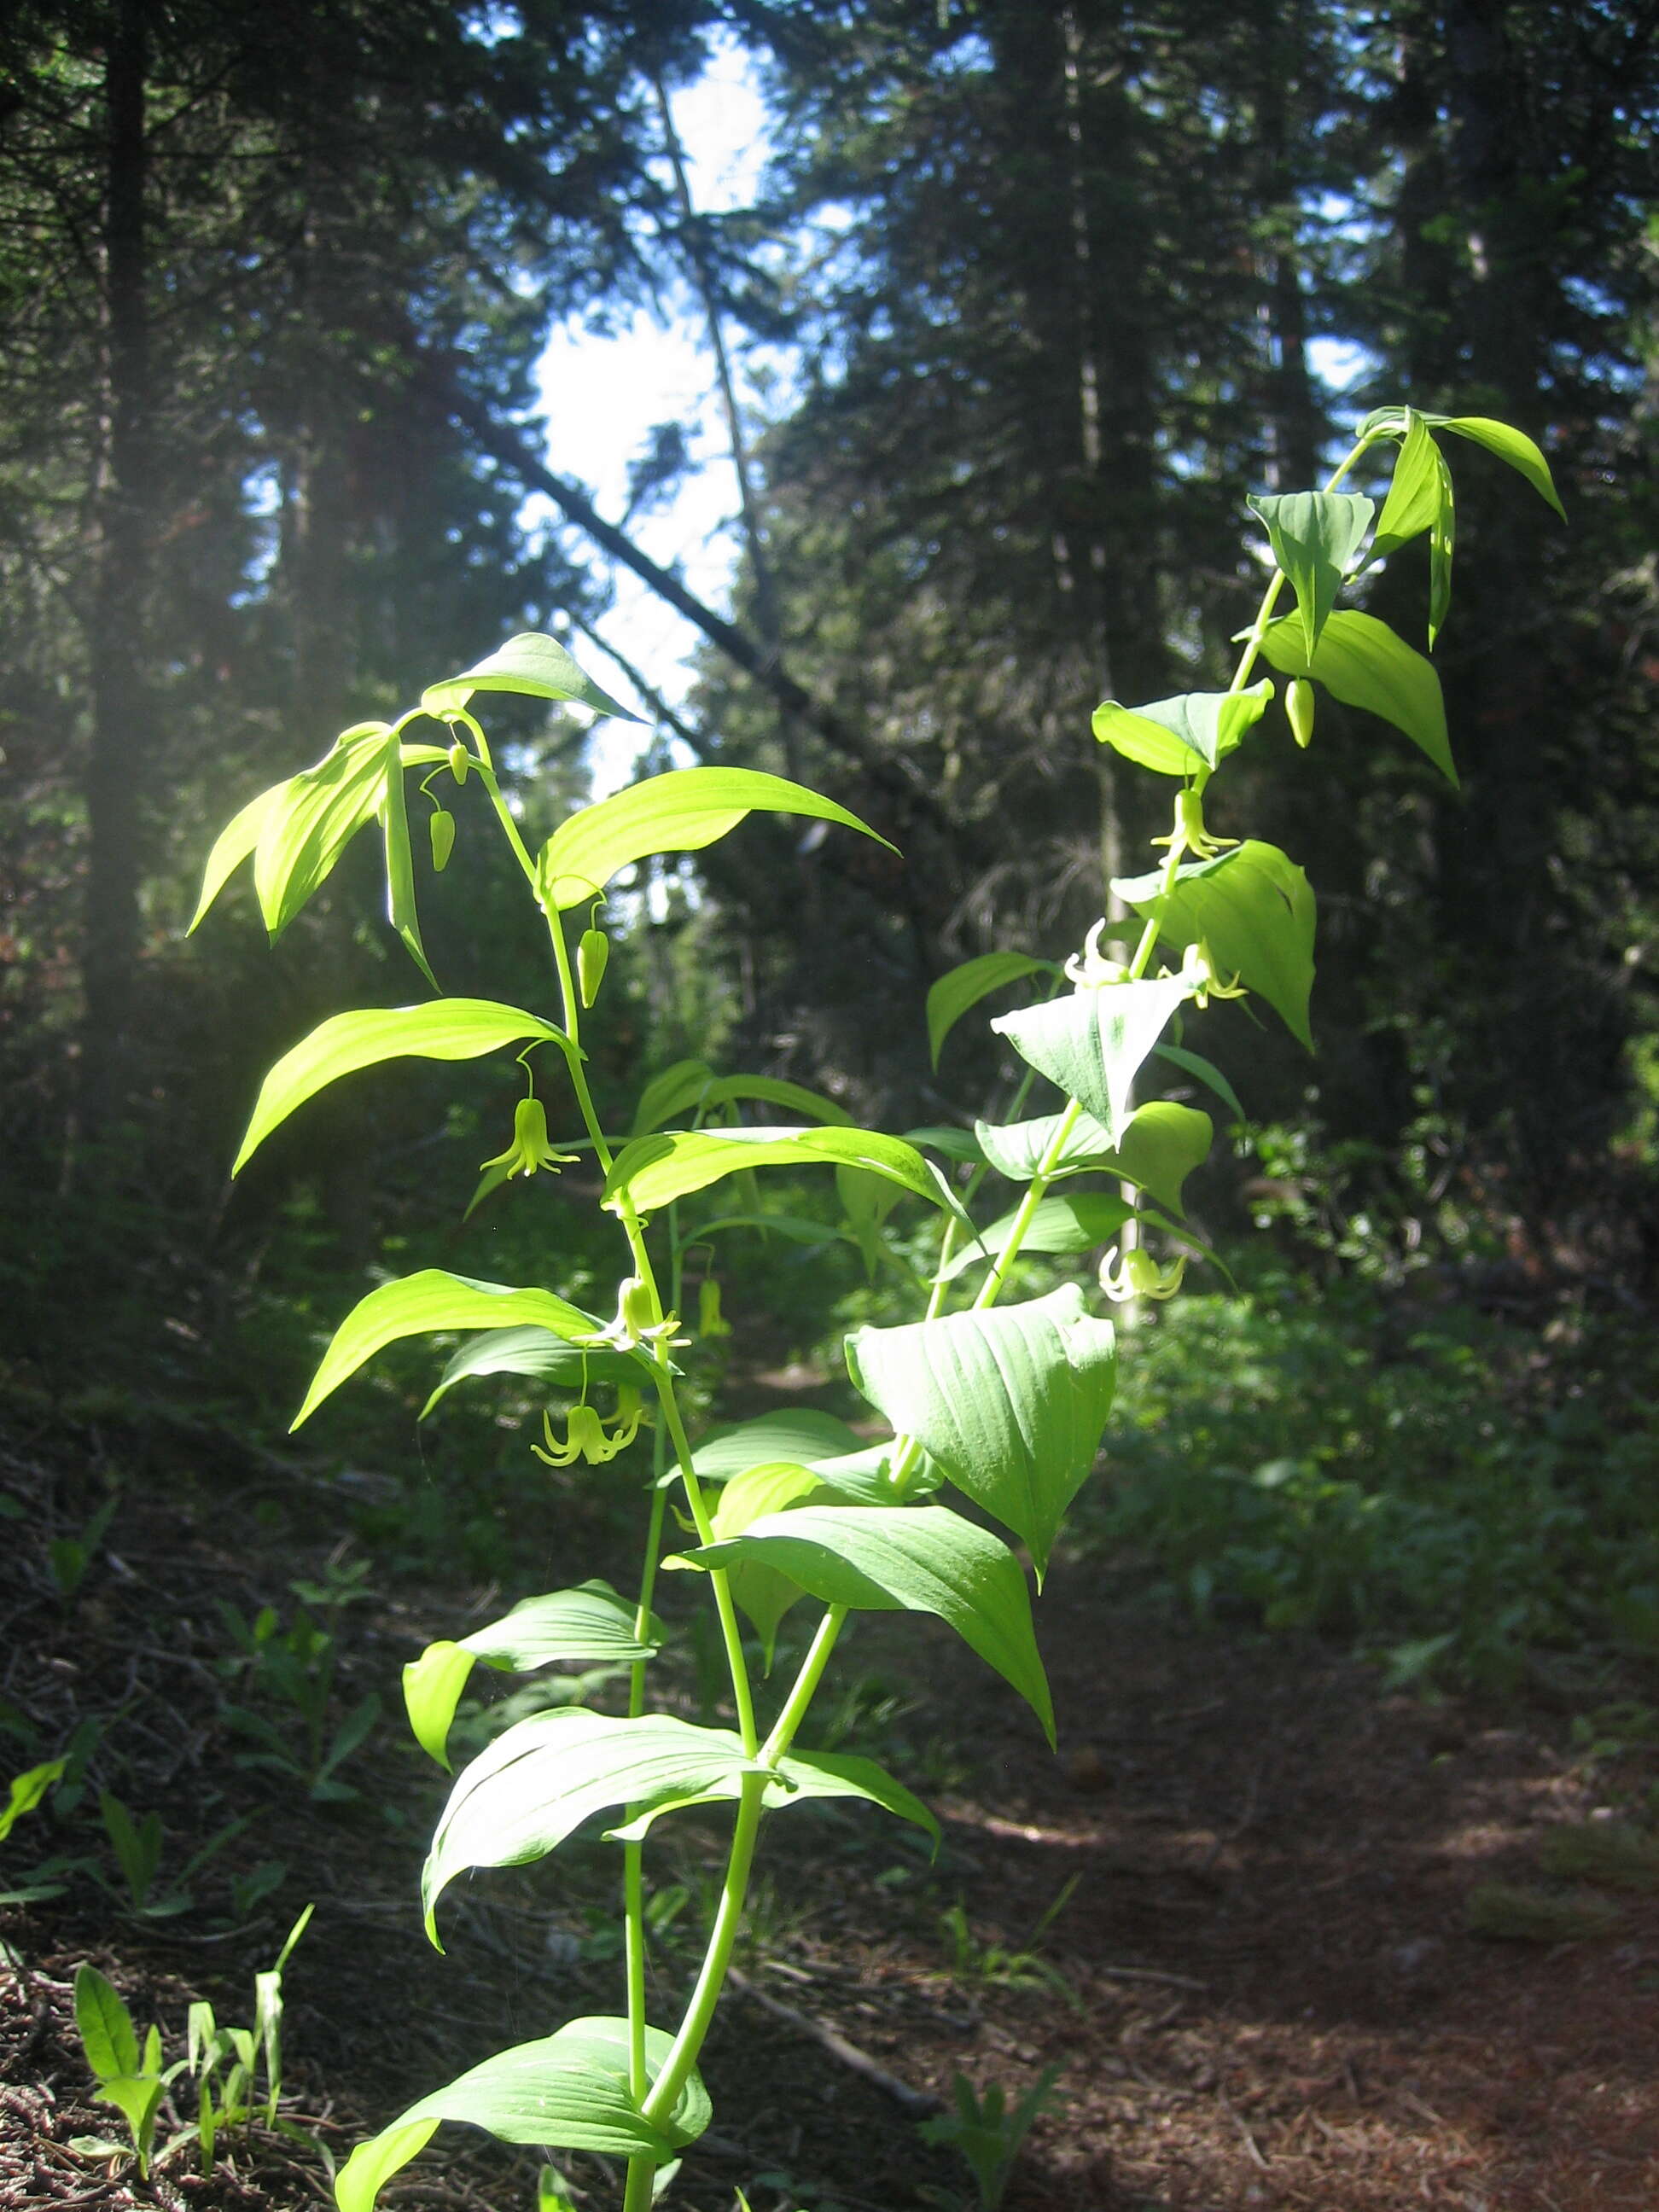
[
  {"x": 459, "y": 761},
  {"x": 592, "y": 955},
  {"x": 1299, "y": 709},
  {"x": 443, "y": 838},
  {"x": 710, "y": 1320}
]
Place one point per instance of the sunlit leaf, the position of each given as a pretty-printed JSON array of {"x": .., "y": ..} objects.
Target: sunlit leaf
[
  {"x": 758, "y": 1589},
  {"x": 922, "y": 1559},
  {"x": 654, "y": 1170},
  {"x": 1161, "y": 1146},
  {"x": 318, "y": 814},
  {"x": 1420, "y": 498},
  {"x": 418, "y": 1304},
  {"x": 401, "y": 910},
  {"x": 1093, "y": 1042},
  {"x": 1510, "y": 445},
  {"x": 1364, "y": 664},
  {"x": 1255, "y": 909},
  {"x": 107, "y": 2034},
  {"x": 683, "y": 811},
  {"x": 1010, "y": 1400},
  {"x": 590, "y": 1622},
  {"x": 962, "y": 988},
  {"x": 1059, "y": 1225},
  {"x": 536, "y": 666},
  {"x": 1179, "y": 736},
  {"x": 775, "y": 1090},
  {"x": 443, "y": 1029},
  {"x": 798, "y": 1433},
  {"x": 567, "y": 2092},
  {"x": 1314, "y": 536},
  {"x": 669, "y": 1094},
  {"x": 534, "y": 1351},
  {"x": 235, "y": 842}
]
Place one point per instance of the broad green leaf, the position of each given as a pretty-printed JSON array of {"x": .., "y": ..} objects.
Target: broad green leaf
[
  {"x": 417, "y": 1305},
  {"x": 797, "y": 1227},
  {"x": 1314, "y": 536},
  {"x": 864, "y": 1477},
  {"x": 28, "y": 1790},
  {"x": 655, "y": 1170},
  {"x": 670, "y": 1093},
  {"x": 683, "y": 811},
  {"x": 919, "y": 1559},
  {"x": 536, "y": 1784},
  {"x": 319, "y": 813},
  {"x": 1510, "y": 445},
  {"x": 867, "y": 1200},
  {"x": 1179, "y": 736},
  {"x": 589, "y": 1622},
  {"x": 235, "y": 843},
  {"x": 962, "y": 988},
  {"x": 534, "y": 1351},
  {"x": 1018, "y": 1149},
  {"x": 774, "y": 1090},
  {"x": 1059, "y": 1225},
  {"x": 762, "y": 1593},
  {"x": 136, "y": 2097},
  {"x": 800, "y": 1777},
  {"x": 1093, "y": 1042},
  {"x": 400, "y": 907},
  {"x": 569, "y": 2091},
  {"x": 1364, "y": 664},
  {"x": 1161, "y": 1146},
  {"x": 1253, "y": 908},
  {"x": 1010, "y": 1400},
  {"x": 1207, "y": 1073},
  {"x": 107, "y": 2034},
  {"x": 797, "y": 1433},
  {"x": 536, "y": 666},
  {"x": 443, "y": 1029}
]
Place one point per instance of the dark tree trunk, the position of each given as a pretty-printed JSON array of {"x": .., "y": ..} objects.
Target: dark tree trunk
[{"x": 123, "y": 711}]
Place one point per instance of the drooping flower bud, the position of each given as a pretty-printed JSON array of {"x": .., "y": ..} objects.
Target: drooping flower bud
[
  {"x": 459, "y": 761},
  {"x": 1299, "y": 709},
  {"x": 1189, "y": 834},
  {"x": 710, "y": 1320},
  {"x": 443, "y": 838},
  {"x": 592, "y": 955}
]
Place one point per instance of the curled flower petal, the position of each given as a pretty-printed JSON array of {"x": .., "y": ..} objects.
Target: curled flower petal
[
  {"x": 530, "y": 1148},
  {"x": 1189, "y": 834},
  {"x": 1138, "y": 1275}
]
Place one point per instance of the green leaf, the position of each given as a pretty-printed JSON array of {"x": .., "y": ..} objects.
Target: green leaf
[
  {"x": 1018, "y": 1149},
  {"x": 443, "y": 1029},
  {"x": 28, "y": 1790},
  {"x": 1255, "y": 909},
  {"x": 107, "y": 2034},
  {"x": 1162, "y": 1145},
  {"x": 590, "y": 1622},
  {"x": 962, "y": 989},
  {"x": 319, "y": 813},
  {"x": 1314, "y": 536},
  {"x": 417, "y": 1305},
  {"x": 761, "y": 1592},
  {"x": 922, "y": 1559},
  {"x": 1092, "y": 1042},
  {"x": 683, "y": 811},
  {"x": 235, "y": 843},
  {"x": 867, "y": 1201},
  {"x": 655, "y": 1170},
  {"x": 1510, "y": 445},
  {"x": 400, "y": 905},
  {"x": 534, "y": 1351},
  {"x": 668, "y": 1094},
  {"x": 1179, "y": 736},
  {"x": 1207, "y": 1073},
  {"x": 1059, "y": 1225},
  {"x": 136, "y": 2097},
  {"x": 569, "y": 2092},
  {"x": 536, "y": 666},
  {"x": 865, "y": 1478},
  {"x": 1010, "y": 1400},
  {"x": 536, "y": 1784},
  {"x": 774, "y": 1090},
  {"x": 956, "y": 1144},
  {"x": 798, "y": 1433},
  {"x": 1420, "y": 498},
  {"x": 1364, "y": 664}
]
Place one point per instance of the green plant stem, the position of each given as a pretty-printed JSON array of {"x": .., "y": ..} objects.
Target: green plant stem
[{"x": 805, "y": 1688}]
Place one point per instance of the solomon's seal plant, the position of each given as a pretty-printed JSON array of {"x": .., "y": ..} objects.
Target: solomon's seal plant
[{"x": 998, "y": 1398}]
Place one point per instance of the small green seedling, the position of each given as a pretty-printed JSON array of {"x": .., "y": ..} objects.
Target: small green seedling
[
  {"x": 27, "y": 1793},
  {"x": 295, "y": 1667},
  {"x": 130, "y": 2077},
  {"x": 137, "y": 1847},
  {"x": 70, "y": 1556},
  {"x": 987, "y": 2132},
  {"x": 992, "y": 1965}
]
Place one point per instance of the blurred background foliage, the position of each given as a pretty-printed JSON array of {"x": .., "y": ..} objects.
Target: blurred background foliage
[{"x": 1062, "y": 283}]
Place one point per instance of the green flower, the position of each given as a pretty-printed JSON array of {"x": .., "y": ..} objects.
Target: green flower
[
  {"x": 1138, "y": 1275},
  {"x": 587, "y": 1437},
  {"x": 530, "y": 1148}
]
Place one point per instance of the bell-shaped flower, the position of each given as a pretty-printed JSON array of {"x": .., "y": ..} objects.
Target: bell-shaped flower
[
  {"x": 1198, "y": 966},
  {"x": 1138, "y": 1275},
  {"x": 1092, "y": 969},
  {"x": 587, "y": 1437},
  {"x": 1189, "y": 834},
  {"x": 635, "y": 1322},
  {"x": 530, "y": 1148},
  {"x": 711, "y": 1322}
]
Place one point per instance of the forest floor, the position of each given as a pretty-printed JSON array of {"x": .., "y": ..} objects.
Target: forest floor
[{"x": 1234, "y": 1911}]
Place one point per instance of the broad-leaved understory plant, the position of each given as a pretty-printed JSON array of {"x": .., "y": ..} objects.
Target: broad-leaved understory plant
[{"x": 997, "y": 1399}]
